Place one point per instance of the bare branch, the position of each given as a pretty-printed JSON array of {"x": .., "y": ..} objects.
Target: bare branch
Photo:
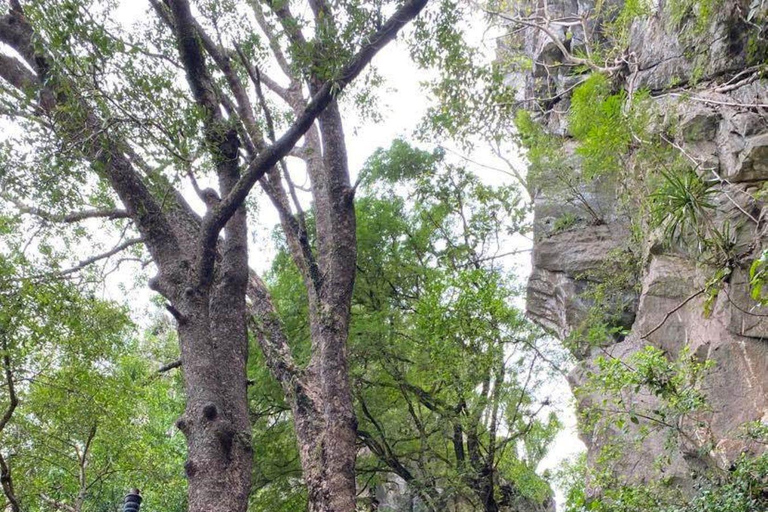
[
  {"x": 295, "y": 227},
  {"x": 672, "y": 312},
  {"x": 82, "y": 469},
  {"x": 170, "y": 366},
  {"x": 710, "y": 101},
  {"x": 291, "y": 95},
  {"x": 273, "y": 40},
  {"x": 68, "y": 218},
  {"x": 93, "y": 259},
  {"x": 567, "y": 55}
]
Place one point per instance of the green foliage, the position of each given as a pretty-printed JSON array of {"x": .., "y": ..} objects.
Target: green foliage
[
  {"x": 743, "y": 489},
  {"x": 673, "y": 394},
  {"x": 571, "y": 476},
  {"x": 564, "y": 222},
  {"x": 682, "y": 205},
  {"x": 605, "y": 135},
  {"x": 399, "y": 163},
  {"x": 433, "y": 328},
  {"x": 616, "y": 19},
  {"x": 472, "y": 98},
  {"x": 432, "y": 322},
  {"x": 699, "y": 12},
  {"x": 93, "y": 420},
  {"x": 597, "y": 121},
  {"x": 630, "y": 11},
  {"x": 543, "y": 150},
  {"x": 674, "y": 382},
  {"x": 758, "y": 275},
  {"x": 610, "y": 291}
]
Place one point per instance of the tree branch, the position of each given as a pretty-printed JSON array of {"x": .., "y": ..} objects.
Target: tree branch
[
  {"x": 294, "y": 226},
  {"x": 57, "y": 505},
  {"x": 7, "y": 485},
  {"x": 93, "y": 259},
  {"x": 13, "y": 399},
  {"x": 67, "y": 218},
  {"x": 97, "y": 146},
  {"x": 5, "y": 473},
  {"x": 215, "y": 219},
  {"x": 16, "y": 73},
  {"x": 265, "y": 324},
  {"x": 672, "y": 312},
  {"x": 567, "y": 55},
  {"x": 273, "y": 42},
  {"x": 224, "y": 143},
  {"x": 170, "y": 366}
]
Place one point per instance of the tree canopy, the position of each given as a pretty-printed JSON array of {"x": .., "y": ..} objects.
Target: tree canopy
[{"x": 137, "y": 146}]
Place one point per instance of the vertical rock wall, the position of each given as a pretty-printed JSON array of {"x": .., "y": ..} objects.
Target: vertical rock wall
[{"x": 704, "y": 80}]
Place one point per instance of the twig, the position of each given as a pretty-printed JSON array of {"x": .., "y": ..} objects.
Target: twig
[
  {"x": 672, "y": 312},
  {"x": 84, "y": 263},
  {"x": 170, "y": 366},
  {"x": 733, "y": 303},
  {"x": 716, "y": 102}
]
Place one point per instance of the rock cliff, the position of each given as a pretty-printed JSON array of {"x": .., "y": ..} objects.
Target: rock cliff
[{"x": 694, "y": 72}]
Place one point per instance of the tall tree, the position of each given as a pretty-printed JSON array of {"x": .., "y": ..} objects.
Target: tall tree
[
  {"x": 103, "y": 117},
  {"x": 444, "y": 367},
  {"x": 446, "y": 392}
]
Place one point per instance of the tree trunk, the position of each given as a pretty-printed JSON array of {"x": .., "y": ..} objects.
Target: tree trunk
[
  {"x": 326, "y": 434},
  {"x": 484, "y": 488},
  {"x": 215, "y": 422},
  {"x": 337, "y": 250},
  {"x": 204, "y": 276},
  {"x": 337, "y": 450}
]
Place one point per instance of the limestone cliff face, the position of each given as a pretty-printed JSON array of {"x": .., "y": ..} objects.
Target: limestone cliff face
[{"x": 702, "y": 80}]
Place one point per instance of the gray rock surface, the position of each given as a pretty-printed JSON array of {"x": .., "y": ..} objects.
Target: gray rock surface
[{"x": 702, "y": 86}]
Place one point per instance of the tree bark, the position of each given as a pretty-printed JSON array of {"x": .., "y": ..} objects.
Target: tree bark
[
  {"x": 215, "y": 421},
  {"x": 337, "y": 249},
  {"x": 205, "y": 276}
]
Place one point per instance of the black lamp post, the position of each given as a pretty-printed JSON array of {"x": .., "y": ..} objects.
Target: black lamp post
[{"x": 132, "y": 501}]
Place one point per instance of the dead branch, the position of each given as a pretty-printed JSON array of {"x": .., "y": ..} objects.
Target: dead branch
[{"x": 672, "y": 312}]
